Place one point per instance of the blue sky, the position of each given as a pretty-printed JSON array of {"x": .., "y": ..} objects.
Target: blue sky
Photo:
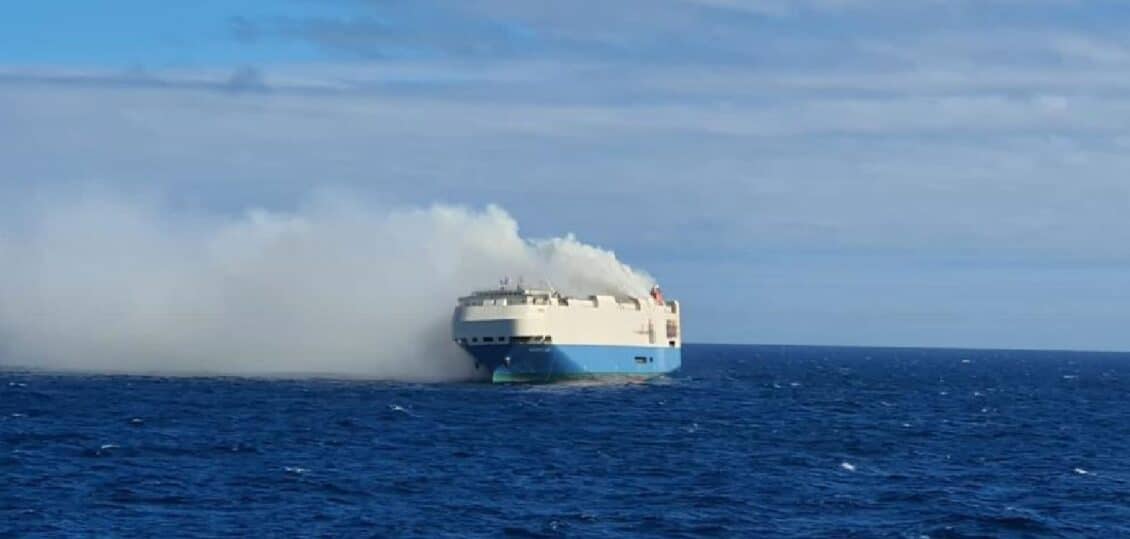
[
  {"x": 878, "y": 172},
  {"x": 151, "y": 34}
]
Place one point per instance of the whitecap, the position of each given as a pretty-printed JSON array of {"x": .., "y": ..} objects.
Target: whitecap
[
  {"x": 847, "y": 466},
  {"x": 110, "y": 446},
  {"x": 1081, "y": 471},
  {"x": 295, "y": 469}
]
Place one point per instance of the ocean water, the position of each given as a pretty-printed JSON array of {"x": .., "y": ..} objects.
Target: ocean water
[{"x": 745, "y": 441}]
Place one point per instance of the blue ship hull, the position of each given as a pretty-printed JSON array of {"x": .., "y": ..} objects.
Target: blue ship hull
[{"x": 548, "y": 363}]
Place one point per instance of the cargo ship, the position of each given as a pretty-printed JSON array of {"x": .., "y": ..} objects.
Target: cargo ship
[{"x": 519, "y": 334}]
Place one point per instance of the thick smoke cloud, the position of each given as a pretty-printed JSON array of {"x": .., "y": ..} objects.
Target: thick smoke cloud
[{"x": 107, "y": 284}]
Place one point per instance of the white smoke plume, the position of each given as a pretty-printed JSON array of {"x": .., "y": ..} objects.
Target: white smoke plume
[{"x": 107, "y": 284}]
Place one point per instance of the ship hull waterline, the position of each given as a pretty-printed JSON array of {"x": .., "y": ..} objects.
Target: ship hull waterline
[{"x": 545, "y": 363}]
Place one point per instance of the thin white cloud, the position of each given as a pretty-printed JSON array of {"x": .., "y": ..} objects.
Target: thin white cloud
[
  {"x": 799, "y": 7},
  {"x": 1090, "y": 50},
  {"x": 796, "y": 147}
]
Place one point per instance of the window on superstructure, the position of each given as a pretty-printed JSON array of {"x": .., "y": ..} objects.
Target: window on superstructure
[{"x": 488, "y": 339}]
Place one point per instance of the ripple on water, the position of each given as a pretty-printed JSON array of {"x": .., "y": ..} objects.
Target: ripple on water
[{"x": 746, "y": 442}]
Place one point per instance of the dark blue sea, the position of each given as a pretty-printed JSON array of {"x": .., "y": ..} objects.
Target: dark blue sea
[{"x": 745, "y": 441}]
